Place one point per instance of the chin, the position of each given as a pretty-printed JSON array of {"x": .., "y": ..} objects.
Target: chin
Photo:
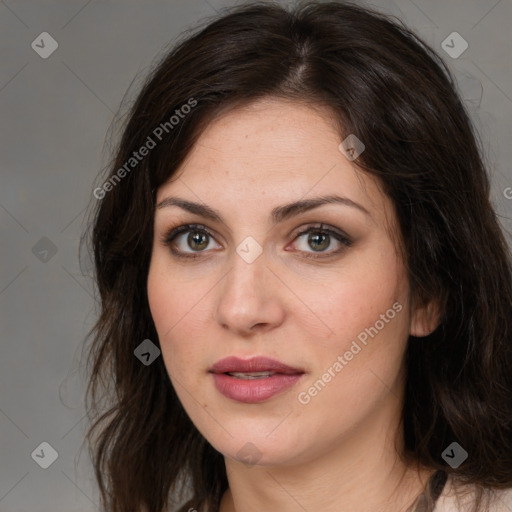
[{"x": 254, "y": 447}]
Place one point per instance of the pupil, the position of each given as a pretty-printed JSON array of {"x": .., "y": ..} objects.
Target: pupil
[
  {"x": 195, "y": 239},
  {"x": 323, "y": 238}
]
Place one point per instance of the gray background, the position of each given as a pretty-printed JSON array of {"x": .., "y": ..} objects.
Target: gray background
[{"x": 55, "y": 114}]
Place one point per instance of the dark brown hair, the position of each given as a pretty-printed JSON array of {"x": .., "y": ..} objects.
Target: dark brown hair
[{"x": 393, "y": 92}]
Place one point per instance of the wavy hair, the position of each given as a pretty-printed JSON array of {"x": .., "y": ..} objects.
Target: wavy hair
[{"x": 390, "y": 89}]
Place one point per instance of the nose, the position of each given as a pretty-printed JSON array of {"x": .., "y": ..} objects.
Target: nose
[{"x": 249, "y": 299}]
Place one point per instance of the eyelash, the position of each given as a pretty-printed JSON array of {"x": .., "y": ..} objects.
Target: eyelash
[{"x": 168, "y": 239}]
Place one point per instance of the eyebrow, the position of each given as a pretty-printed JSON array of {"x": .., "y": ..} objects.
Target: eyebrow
[{"x": 278, "y": 214}]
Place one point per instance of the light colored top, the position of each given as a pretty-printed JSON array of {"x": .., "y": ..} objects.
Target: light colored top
[{"x": 501, "y": 500}]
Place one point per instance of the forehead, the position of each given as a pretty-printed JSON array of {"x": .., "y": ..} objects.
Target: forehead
[{"x": 272, "y": 152}]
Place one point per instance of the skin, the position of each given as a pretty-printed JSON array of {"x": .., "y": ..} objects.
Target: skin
[{"x": 338, "y": 451}]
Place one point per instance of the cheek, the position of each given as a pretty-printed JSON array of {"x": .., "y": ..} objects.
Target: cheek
[
  {"x": 178, "y": 310},
  {"x": 171, "y": 297},
  {"x": 166, "y": 309},
  {"x": 367, "y": 309},
  {"x": 354, "y": 297},
  {"x": 161, "y": 298}
]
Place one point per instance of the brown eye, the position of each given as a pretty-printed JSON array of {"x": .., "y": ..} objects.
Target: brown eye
[
  {"x": 197, "y": 240},
  {"x": 320, "y": 239}
]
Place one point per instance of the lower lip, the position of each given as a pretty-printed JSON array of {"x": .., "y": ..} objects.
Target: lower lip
[{"x": 253, "y": 391}]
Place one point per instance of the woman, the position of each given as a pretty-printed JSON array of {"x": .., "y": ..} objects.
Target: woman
[{"x": 306, "y": 298}]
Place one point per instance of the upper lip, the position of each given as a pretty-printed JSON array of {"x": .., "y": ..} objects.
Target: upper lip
[{"x": 254, "y": 364}]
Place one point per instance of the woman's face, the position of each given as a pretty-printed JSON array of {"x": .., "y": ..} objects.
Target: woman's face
[{"x": 331, "y": 304}]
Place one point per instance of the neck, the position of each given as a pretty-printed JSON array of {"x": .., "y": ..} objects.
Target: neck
[{"x": 277, "y": 490}]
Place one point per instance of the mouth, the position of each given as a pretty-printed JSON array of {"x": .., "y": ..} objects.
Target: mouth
[
  {"x": 249, "y": 376},
  {"x": 254, "y": 368},
  {"x": 253, "y": 380}
]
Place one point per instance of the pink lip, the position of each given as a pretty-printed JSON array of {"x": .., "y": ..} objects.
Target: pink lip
[{"x": 254, "y": 390}]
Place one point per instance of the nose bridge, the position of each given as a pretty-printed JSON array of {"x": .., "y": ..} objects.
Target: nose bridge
[
  {"x": 246, "y": 277},
  {"x": 247, "y": 296}
]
